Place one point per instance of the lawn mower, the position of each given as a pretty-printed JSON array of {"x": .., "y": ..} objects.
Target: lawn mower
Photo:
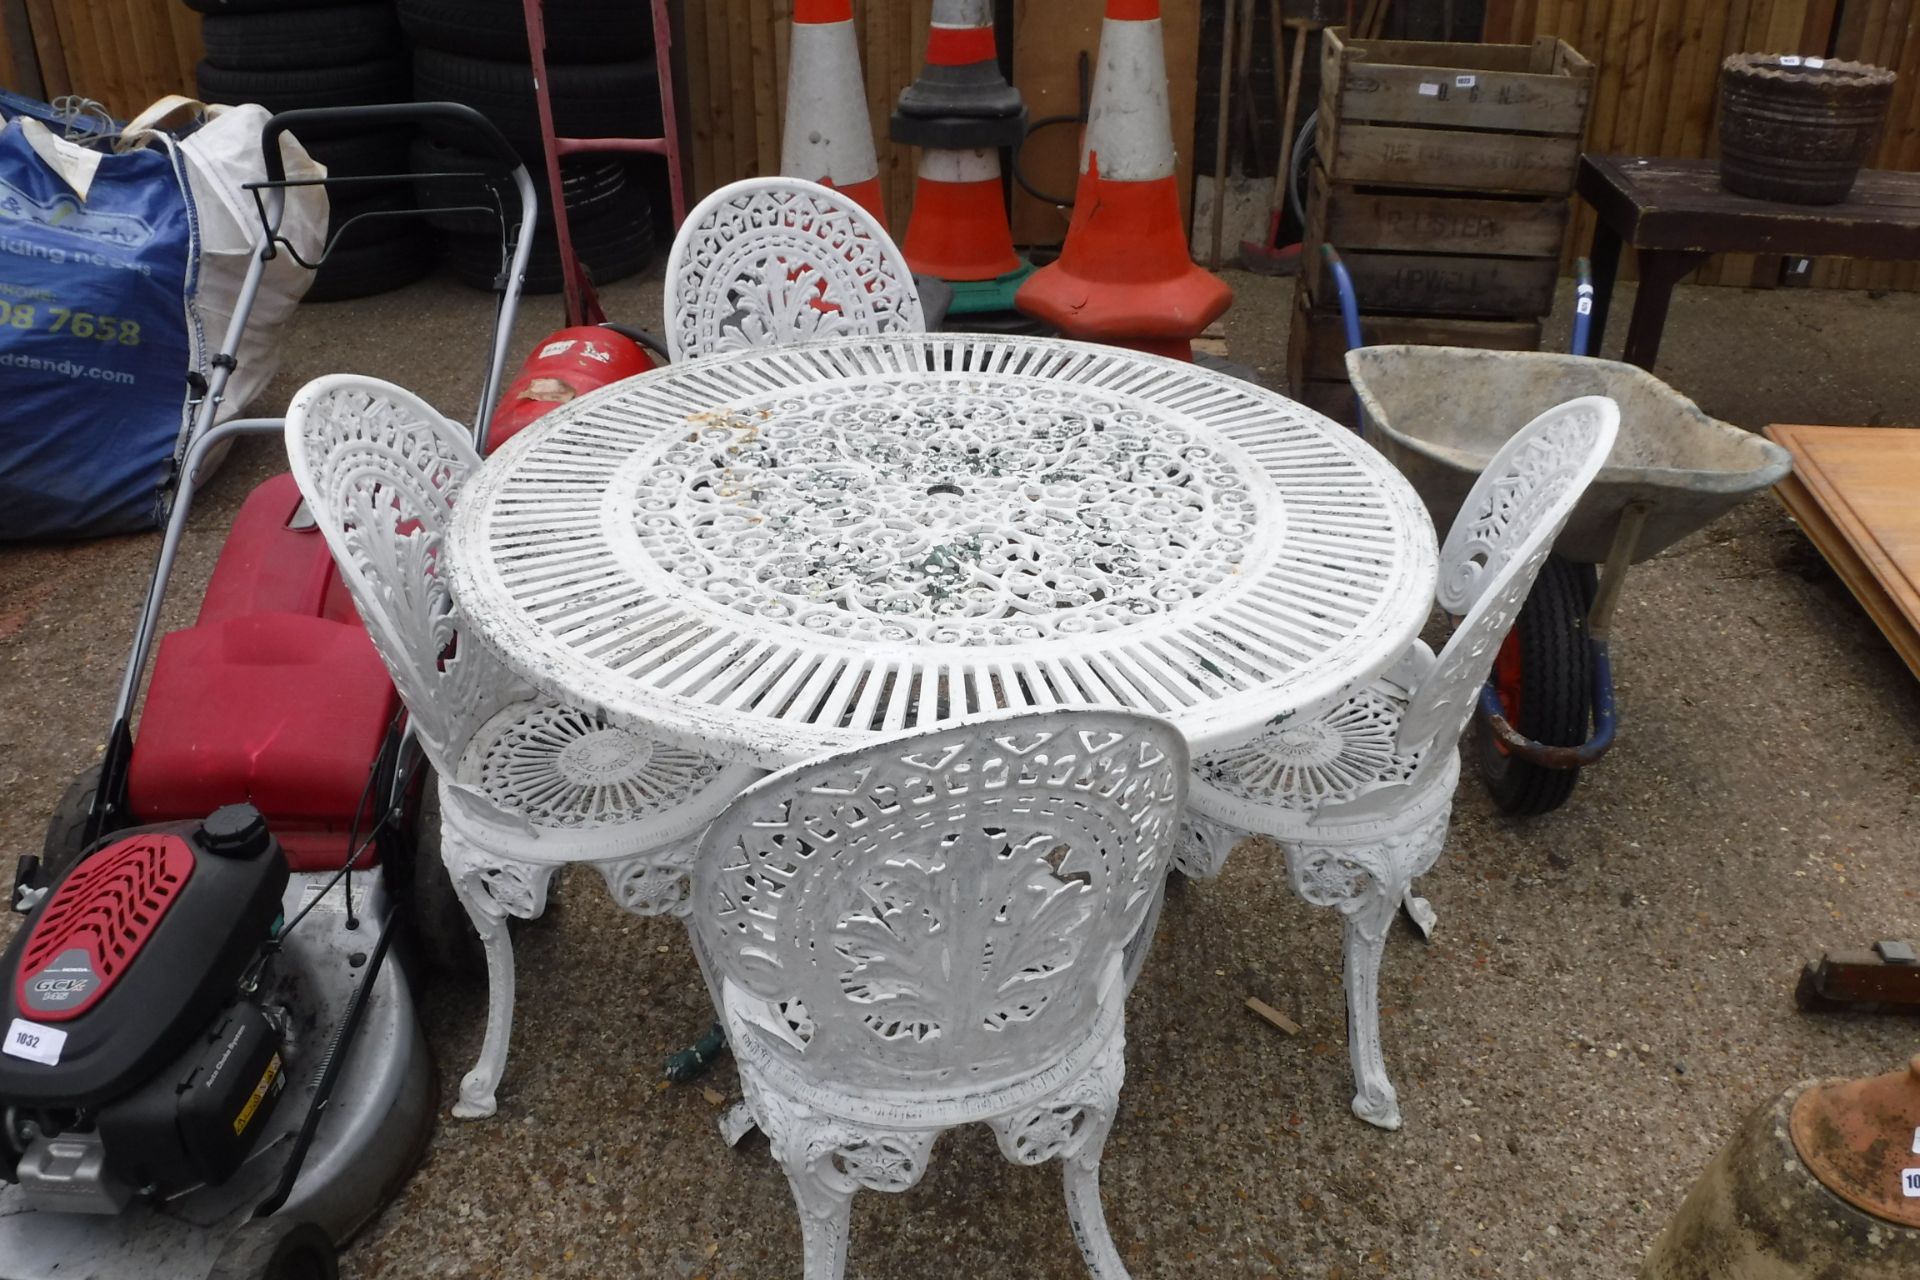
[{"x": 212, "y": 1067}]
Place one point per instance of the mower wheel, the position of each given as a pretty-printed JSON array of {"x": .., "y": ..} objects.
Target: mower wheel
[
  {"x": 277, "y": 1249},
  {"x": 67, "y": 830},
  {"x": 579, "y": 31},
  {"x": 1544, "y": 673},
  {"x": 445, "y": 936},
  {"x": 301, "y": 39}
]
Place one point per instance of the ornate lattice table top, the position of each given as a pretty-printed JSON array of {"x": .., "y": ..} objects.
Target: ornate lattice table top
[{"x": 771, "y": 554}]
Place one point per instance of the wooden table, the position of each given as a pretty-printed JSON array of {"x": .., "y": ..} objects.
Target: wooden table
[
  {"x": 1852, "y": 490},
  {"x": 1676, "y": 215}
]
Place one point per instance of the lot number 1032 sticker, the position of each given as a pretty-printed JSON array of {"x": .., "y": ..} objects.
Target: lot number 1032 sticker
[
  {"x": 1910, "y": 1183},
  {"x": 34, "y": 1042}
]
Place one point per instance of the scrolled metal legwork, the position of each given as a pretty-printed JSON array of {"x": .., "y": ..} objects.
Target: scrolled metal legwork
[
  {"x": 1359, "y": 796},
  {"x": 931, "y": 932},
  {"x": 526, "y": 784}
]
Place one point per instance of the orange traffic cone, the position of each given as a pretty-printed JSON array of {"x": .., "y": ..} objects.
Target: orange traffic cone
[
  {"x": 1124, "y": 275},
  {"x": 829, "y": 137},
  {"x": 961, "y": 111}
]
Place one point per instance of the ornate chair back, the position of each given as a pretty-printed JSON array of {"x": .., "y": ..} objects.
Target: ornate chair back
[
  {"x": 379, "y": 469},
  {"x": 769, "y": 261},
  {"x": 940, "y": 915},
  {"x": 1495, "y": 550}
]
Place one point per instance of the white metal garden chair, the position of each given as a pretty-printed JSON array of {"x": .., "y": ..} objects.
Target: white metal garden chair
[
  {"x": 1359, "y": 798},
  {"x": 928, "y": 933},
  {"x": 769, "y": 261},
  {"x": 525, "y": 784}
]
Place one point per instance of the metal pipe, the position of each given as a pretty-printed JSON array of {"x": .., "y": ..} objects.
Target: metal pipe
[
  {"x": 1605, "y": 719},
  {"x": 1613, "y": 574},
  {"x": 1582, "y": 306},
  {"x": 1350, "y": 317}
]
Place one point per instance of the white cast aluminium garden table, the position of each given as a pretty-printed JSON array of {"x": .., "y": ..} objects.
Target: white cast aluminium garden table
[{"x": 771, "y": 554}]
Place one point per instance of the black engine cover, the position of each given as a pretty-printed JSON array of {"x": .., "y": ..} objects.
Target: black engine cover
[
  {"x": 132, "y": 956},
  {"x": 196, "y": 1121}
]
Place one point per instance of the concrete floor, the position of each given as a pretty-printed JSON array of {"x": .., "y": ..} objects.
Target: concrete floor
[{"x": 1608, "y": 993}]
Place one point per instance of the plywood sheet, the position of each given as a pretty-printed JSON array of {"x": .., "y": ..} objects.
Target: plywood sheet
[{"x": 1852, "y": 490}]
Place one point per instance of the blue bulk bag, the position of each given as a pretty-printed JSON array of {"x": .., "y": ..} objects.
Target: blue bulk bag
[{"x": 97, "y": 333}]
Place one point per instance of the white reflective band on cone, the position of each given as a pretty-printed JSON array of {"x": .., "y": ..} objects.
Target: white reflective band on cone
[
  {"x": 962, "y": 13},
  {"x": 1128, "y": 122},
  {"x": 828, "y": 134},
  {"x": 979, "y": 164}
]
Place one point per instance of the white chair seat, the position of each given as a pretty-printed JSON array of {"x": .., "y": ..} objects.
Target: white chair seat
[
  {"x": 1303, "y": 767},
  {"x": 558, "y": 767},
  {"x": 1359, "y": 797}
]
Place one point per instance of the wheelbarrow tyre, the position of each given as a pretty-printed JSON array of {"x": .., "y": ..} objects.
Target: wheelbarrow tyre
[
  {"x": 277, "y": 1249},
  {"x": 67, "y": 829},
  {"x": 1556, "y": 681}
]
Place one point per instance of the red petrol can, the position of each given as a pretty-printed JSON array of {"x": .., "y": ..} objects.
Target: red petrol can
[{"x": 568, "y": 363}]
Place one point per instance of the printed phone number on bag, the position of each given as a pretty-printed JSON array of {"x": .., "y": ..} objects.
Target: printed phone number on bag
[{"x": 81, "y": 324}]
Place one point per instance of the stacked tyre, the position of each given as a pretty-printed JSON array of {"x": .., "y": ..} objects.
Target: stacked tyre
[
  {"x": 288, "y": 54},
  {"x": 602, "y": 83}
]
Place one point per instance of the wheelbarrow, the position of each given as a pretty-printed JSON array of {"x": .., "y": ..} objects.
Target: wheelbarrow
[{"x": 1441, "y": 413}]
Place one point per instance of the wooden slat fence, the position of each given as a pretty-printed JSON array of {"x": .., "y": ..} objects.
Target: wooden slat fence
[
  {"x": 121, "y": 53},
  {"x": 1658, "y": 86}
]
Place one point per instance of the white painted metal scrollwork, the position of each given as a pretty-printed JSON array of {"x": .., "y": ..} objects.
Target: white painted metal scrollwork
[
  {"x": 929, "y": 932},
  {"x": 1495, "y": 549},
  {"x": 1367, "y": 882},
  {"x": 379, "y": 469},
  {"x": 796, "y": 551},
  {"x": 770, "y": 261},
  {"x": 1359, "y": 796},
  {"x": 524, "y": 784}
]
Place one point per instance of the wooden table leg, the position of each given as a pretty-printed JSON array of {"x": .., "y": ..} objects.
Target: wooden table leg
[
  {"x": 1659, "y": 272},
  {"x": 1605, "y": 258}
]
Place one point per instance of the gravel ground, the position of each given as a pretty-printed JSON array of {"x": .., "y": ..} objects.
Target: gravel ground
[{"x": 1608, "y": 993}]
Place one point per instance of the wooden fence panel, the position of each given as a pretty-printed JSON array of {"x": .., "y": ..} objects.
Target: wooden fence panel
[
  {"x": 1657, "y": 87},
  {"x": 121, "y": 53}
]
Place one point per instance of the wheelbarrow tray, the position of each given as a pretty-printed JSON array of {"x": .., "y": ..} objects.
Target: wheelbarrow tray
[{"x": 1441, "y": 413}]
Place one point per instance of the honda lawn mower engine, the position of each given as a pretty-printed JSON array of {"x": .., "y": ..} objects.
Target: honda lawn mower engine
[{"x": 136, "y": 1060}]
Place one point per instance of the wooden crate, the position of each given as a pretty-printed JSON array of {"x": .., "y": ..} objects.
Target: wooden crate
[
  {"x": 1317, "y": 347},
  {"x": 1435, "y": 253},
  {"x": 1452, "y": 117}
]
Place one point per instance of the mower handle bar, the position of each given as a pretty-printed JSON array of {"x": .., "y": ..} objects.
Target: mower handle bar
[{"x": 385, "y": 113}]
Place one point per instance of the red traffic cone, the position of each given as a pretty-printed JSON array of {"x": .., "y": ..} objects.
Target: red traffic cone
[
  {"x": 829, "y": 136},
  {"x": 1124, "y": 274},
  {"x": 961, "y": 111}
]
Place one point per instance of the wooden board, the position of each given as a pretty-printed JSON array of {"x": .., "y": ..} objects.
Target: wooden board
[
  {"x": 1448, "y": 159},
  {"x": 1317, "y": 343},
  {"x": 1852, "y": 490},
  {"x": 1440, "y": 284},
  {"x": 1540, "y": 88},
  {"x": 1373, "y": 218}
]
